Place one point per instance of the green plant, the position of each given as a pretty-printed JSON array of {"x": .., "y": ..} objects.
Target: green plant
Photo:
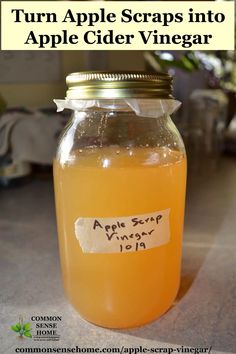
[
  {"x": 163, "y": 61},
  {"x": 22, "y": 328}
]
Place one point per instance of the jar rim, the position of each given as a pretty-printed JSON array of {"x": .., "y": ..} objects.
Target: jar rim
[{"x": 118, "y": 84}]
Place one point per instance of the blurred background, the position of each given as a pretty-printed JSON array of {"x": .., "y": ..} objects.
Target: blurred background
[{"x": 205, "y": 83}]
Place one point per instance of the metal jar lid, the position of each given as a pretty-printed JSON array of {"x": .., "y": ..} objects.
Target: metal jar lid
[{"x": 112, "y": 85}]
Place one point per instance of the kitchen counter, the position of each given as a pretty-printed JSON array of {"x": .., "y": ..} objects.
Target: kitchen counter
[{"x": 204, "y": 313}]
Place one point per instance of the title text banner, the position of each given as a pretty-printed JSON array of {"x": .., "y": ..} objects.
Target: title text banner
[{"x": 120, "y": 25}]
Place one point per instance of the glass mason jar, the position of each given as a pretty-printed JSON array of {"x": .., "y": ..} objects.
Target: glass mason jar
[{"x": 120, "y": 175}]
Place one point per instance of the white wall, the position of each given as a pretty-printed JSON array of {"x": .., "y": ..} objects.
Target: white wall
[{"x": 38, "y": 95}]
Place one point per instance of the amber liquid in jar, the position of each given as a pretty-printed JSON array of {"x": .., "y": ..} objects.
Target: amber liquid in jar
[{"x": 123, "y": 289}]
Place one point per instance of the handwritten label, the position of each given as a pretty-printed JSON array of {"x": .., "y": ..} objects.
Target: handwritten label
[{"x": 123, "y": 234}]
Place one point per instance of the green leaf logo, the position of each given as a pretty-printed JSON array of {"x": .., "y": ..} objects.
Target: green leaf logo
[{"x": 23, "y": 329}]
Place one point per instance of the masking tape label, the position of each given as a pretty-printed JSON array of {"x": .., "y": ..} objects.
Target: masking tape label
[{"x": 123, "y": 234}]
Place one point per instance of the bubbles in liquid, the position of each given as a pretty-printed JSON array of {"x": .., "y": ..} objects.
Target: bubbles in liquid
[{"x": 123, "y": 156}]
